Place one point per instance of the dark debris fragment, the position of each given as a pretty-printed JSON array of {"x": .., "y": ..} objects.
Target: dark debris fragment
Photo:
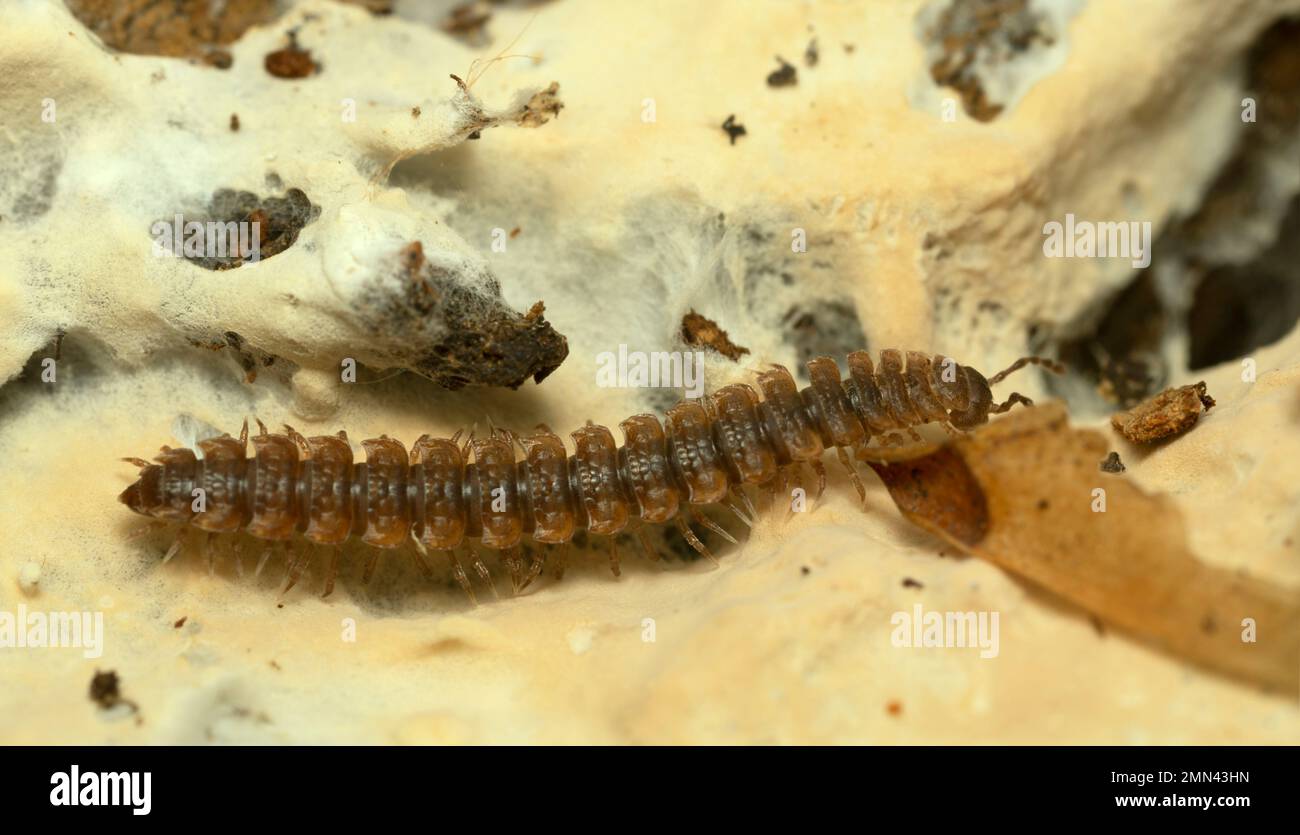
[
  {"x": 1171, "y": 412},
  {"x": 733, "y": 128},
  {"x": 279, "y": 220},
  {"x": 704, "y": 332},
  {"x": 485, "y": 343},
  {"x": 784, "y": 76},
  {"x": 468, "y": 21},
  {"x": 106, "y": 691},
  {"x": 292, "y": 61}
]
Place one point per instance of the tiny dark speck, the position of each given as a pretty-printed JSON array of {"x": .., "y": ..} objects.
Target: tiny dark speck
[
  {"x": 909, "y": 583},
  {"x": 1043, "y": 504},
  {"x": 805, "y": 570},
  {"x": 785, "y": 76},
  {"x": 733, "y": 128}
]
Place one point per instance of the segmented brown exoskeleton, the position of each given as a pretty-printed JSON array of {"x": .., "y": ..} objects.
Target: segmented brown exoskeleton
[{"x": 446, "y": 494}]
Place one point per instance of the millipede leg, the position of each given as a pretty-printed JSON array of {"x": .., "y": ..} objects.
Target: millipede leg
[
  {"x": 484, "y": 573},
  {"x": 208, "y": 553},
  {"x": 331, "y": 570},
  {"x": 1015, "y": 398},
  {"x": 371, "y": 562},
  {"x": 770, "y": 491},
  {"x": 237, "y": 552},
  {"x": 694, "y": 540},
  {"x": 534, "y": 570},
  {"x": 645, "y": 544},
  {"x": 419, "y": 557},
  {"x": 458, "y": 571},
  {"x": 853, "y": 473},
  {"x": 300, "y": 559},
  {"x": 176, "y": 546},
  {"x": 750, "y": 517},
  {"x": 712, "y": 525},
  {"x": 561, "y": 562},
  {"x": 515, "y": 565},
  {"x": 261, "y": 562},
  {"x": 740, "y": 514},
  {"x": 820, "y": 469},
  {"x": 796, "y": 478},
  {"x": 613, "y": 557}
]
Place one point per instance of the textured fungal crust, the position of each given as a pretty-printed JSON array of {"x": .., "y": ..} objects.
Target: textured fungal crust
[
  {"x": 278, "y": 219},
  {"x": 328, "y": 245},
  {"x": 444, "y": 493},
  {"x": 177, "y": 28},
  {"x": 1171, "y": 412},
  {"x": 480, "y": 341},
  {"x": 975, "y": 31},
  {"x": 541, "y": 107}
]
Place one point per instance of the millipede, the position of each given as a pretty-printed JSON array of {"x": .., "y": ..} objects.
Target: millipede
[{"x": 447, "y": 493}]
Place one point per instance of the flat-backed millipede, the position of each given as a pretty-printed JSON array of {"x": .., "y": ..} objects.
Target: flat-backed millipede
[{"x": 445, "y": 494}]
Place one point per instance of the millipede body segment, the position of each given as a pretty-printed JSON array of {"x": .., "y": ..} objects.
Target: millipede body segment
[{"x": 444, "y": 493}]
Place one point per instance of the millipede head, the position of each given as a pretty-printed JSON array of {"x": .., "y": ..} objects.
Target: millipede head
[{"x": 145, "y": 492}]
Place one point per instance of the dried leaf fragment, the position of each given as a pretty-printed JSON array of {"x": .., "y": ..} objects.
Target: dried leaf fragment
[
  {"x": 1024, "y": 493},
  {"x": 704, "y": 332},
  {"x": 1171, "y": 412}
]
